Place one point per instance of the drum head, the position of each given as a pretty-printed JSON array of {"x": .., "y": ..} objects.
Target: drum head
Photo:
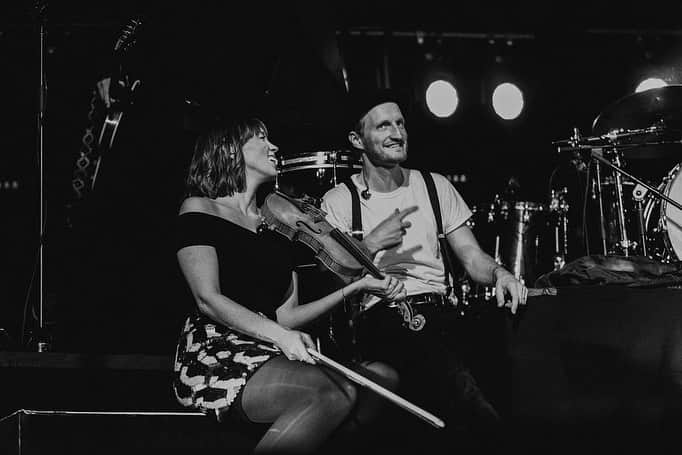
[
  {"x": 315, "y": 173},
  {"x": 672, "y": 216}
]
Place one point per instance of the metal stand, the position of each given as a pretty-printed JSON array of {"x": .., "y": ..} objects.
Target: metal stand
[
  {"x": 559, "y": 205},
  {"x": 597, "y": 144},
  {"x": 40, "y": 337},
  {"x": 596, "y": 154},
  {"x": 602, "y": 225},
  {"x": 622, "y": 231},
  {"x": 638, "y": 195}
]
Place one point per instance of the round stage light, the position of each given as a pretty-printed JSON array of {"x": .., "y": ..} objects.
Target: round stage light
[
  {"x": 441, "y": 98},
  {"x": 507, "y": 101},
  {"x": 652, "y": 82}
]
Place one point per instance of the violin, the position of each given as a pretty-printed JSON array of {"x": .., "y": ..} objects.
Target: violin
[{"x": 299, "y": 220}]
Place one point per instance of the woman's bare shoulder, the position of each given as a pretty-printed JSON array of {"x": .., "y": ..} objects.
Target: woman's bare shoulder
[{"x": 196, "y": 204}]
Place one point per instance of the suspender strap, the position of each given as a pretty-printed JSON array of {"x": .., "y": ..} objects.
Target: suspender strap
[
  {"x": 435, "y": 205},
  {"x": 355, "y": 204},
  {"x": 443, "y": 243}
]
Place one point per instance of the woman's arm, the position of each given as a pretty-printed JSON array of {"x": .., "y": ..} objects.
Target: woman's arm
[
  {"x": 291, "y": 314},
  {"x": 199, "y": 265}
]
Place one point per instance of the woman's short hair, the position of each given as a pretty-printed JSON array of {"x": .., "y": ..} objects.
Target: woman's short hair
[{"x": 217, "y": 168}]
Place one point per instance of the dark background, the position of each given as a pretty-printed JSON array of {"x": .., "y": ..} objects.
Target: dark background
[{"x": 111, "y": 278}]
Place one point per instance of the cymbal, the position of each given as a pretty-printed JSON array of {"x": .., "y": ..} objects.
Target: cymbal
[
  {"x": 648, "y": 123},
  {"x": 654, "y": 107}
]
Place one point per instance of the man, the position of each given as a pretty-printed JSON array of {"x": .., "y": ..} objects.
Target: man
[{"x": 400, "y": 232}]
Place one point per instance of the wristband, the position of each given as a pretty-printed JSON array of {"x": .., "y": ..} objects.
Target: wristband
[{"x": 494, "y": 273}]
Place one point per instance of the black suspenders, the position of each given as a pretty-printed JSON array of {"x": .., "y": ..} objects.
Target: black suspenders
[
  {"x": 435, "y": 206},
  {"x": 442, "y": 241},
  {"x": 357, "y": 216}
]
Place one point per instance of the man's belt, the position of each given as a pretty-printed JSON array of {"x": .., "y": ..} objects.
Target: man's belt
[{"x": 430, "y": 298}]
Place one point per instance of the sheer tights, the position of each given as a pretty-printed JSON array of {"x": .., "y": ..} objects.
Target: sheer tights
[{"x": 305, "y": 403}]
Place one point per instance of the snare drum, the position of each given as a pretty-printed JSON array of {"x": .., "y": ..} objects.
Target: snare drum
[
  {"x": 664, "y": 221},
  {"x": 314, "y": 173}
]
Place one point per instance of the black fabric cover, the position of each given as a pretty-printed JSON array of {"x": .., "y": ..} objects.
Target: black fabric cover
[{"x": 598, "y": 269}]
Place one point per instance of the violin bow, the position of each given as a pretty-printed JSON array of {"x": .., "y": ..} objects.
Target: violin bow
[{"x": 384, "y": 392}]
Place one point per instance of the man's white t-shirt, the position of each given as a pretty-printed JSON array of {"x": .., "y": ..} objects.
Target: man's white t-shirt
[{"x": 417, "y": 260}]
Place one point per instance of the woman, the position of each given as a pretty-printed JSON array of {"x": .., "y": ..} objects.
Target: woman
[{"x": 240, "y": 353}]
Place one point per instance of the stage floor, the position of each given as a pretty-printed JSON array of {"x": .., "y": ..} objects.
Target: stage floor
[{"x": 589, "y": 367}]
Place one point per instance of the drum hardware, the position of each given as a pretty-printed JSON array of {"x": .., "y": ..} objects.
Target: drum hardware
[
  {"x": 497, "y": 256},
  {"x": 642, "y": 125},
  {"x": 560, "y": 206},
  {"x": 486, "y": 222},
  {"x": 625, "y": 243},
  {"x": 598, "y": 148},
  {"x": 528, "y": 238},
  {"x": 638, "y": 195},
  {"x": 600, "y": 201},
  {"x": 615, "y": 138},
  {"x": 521, "y": 252},
  {"x": 598, "y": 155},
  {"x": 614, "y": 225}
]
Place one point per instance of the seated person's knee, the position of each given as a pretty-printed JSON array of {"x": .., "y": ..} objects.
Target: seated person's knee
[
  {"x": 338, "y": 394},
  {"x": 382, "y": 374}
]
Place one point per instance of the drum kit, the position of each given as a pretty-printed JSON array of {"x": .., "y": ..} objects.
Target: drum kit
[
  {"x": 526, "y": 237},
  {"x": 636, "y": 217}
]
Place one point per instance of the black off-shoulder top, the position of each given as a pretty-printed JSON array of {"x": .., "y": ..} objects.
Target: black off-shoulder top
[{"x": 254, "y": 268}]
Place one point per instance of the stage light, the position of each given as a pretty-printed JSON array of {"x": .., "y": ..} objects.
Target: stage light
[
  {"x": 507, "y": 101},
  {"x": 652, "y": 82},
  {"x": 441, "y": 98}
]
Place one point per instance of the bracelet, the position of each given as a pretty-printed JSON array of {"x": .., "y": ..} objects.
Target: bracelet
[{"x": 494, "y": 273}]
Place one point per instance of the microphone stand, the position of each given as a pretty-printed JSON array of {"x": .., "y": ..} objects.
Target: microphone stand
[{"x": 40, "y": 338}]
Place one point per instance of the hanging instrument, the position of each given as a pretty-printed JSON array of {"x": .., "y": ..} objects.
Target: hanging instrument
[{"x": 104, "y": 121}]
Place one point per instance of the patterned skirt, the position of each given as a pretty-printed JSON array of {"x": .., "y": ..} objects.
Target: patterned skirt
[{"x": 213, "y": 363}]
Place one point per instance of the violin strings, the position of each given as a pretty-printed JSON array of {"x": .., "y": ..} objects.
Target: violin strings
[{"x": 344, "y": 241}]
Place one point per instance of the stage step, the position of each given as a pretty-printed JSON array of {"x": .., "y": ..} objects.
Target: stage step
[{"x": 29, "y": 432}]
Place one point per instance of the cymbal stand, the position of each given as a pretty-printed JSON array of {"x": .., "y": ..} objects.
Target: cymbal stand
[
  {"x": 596, "y": 153},
  {"x": 602, "y": 225},
  {"x": 624, "y": 244},
  {"x": 638, "y": 195},
  {"x": 560, "y": 206}
]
